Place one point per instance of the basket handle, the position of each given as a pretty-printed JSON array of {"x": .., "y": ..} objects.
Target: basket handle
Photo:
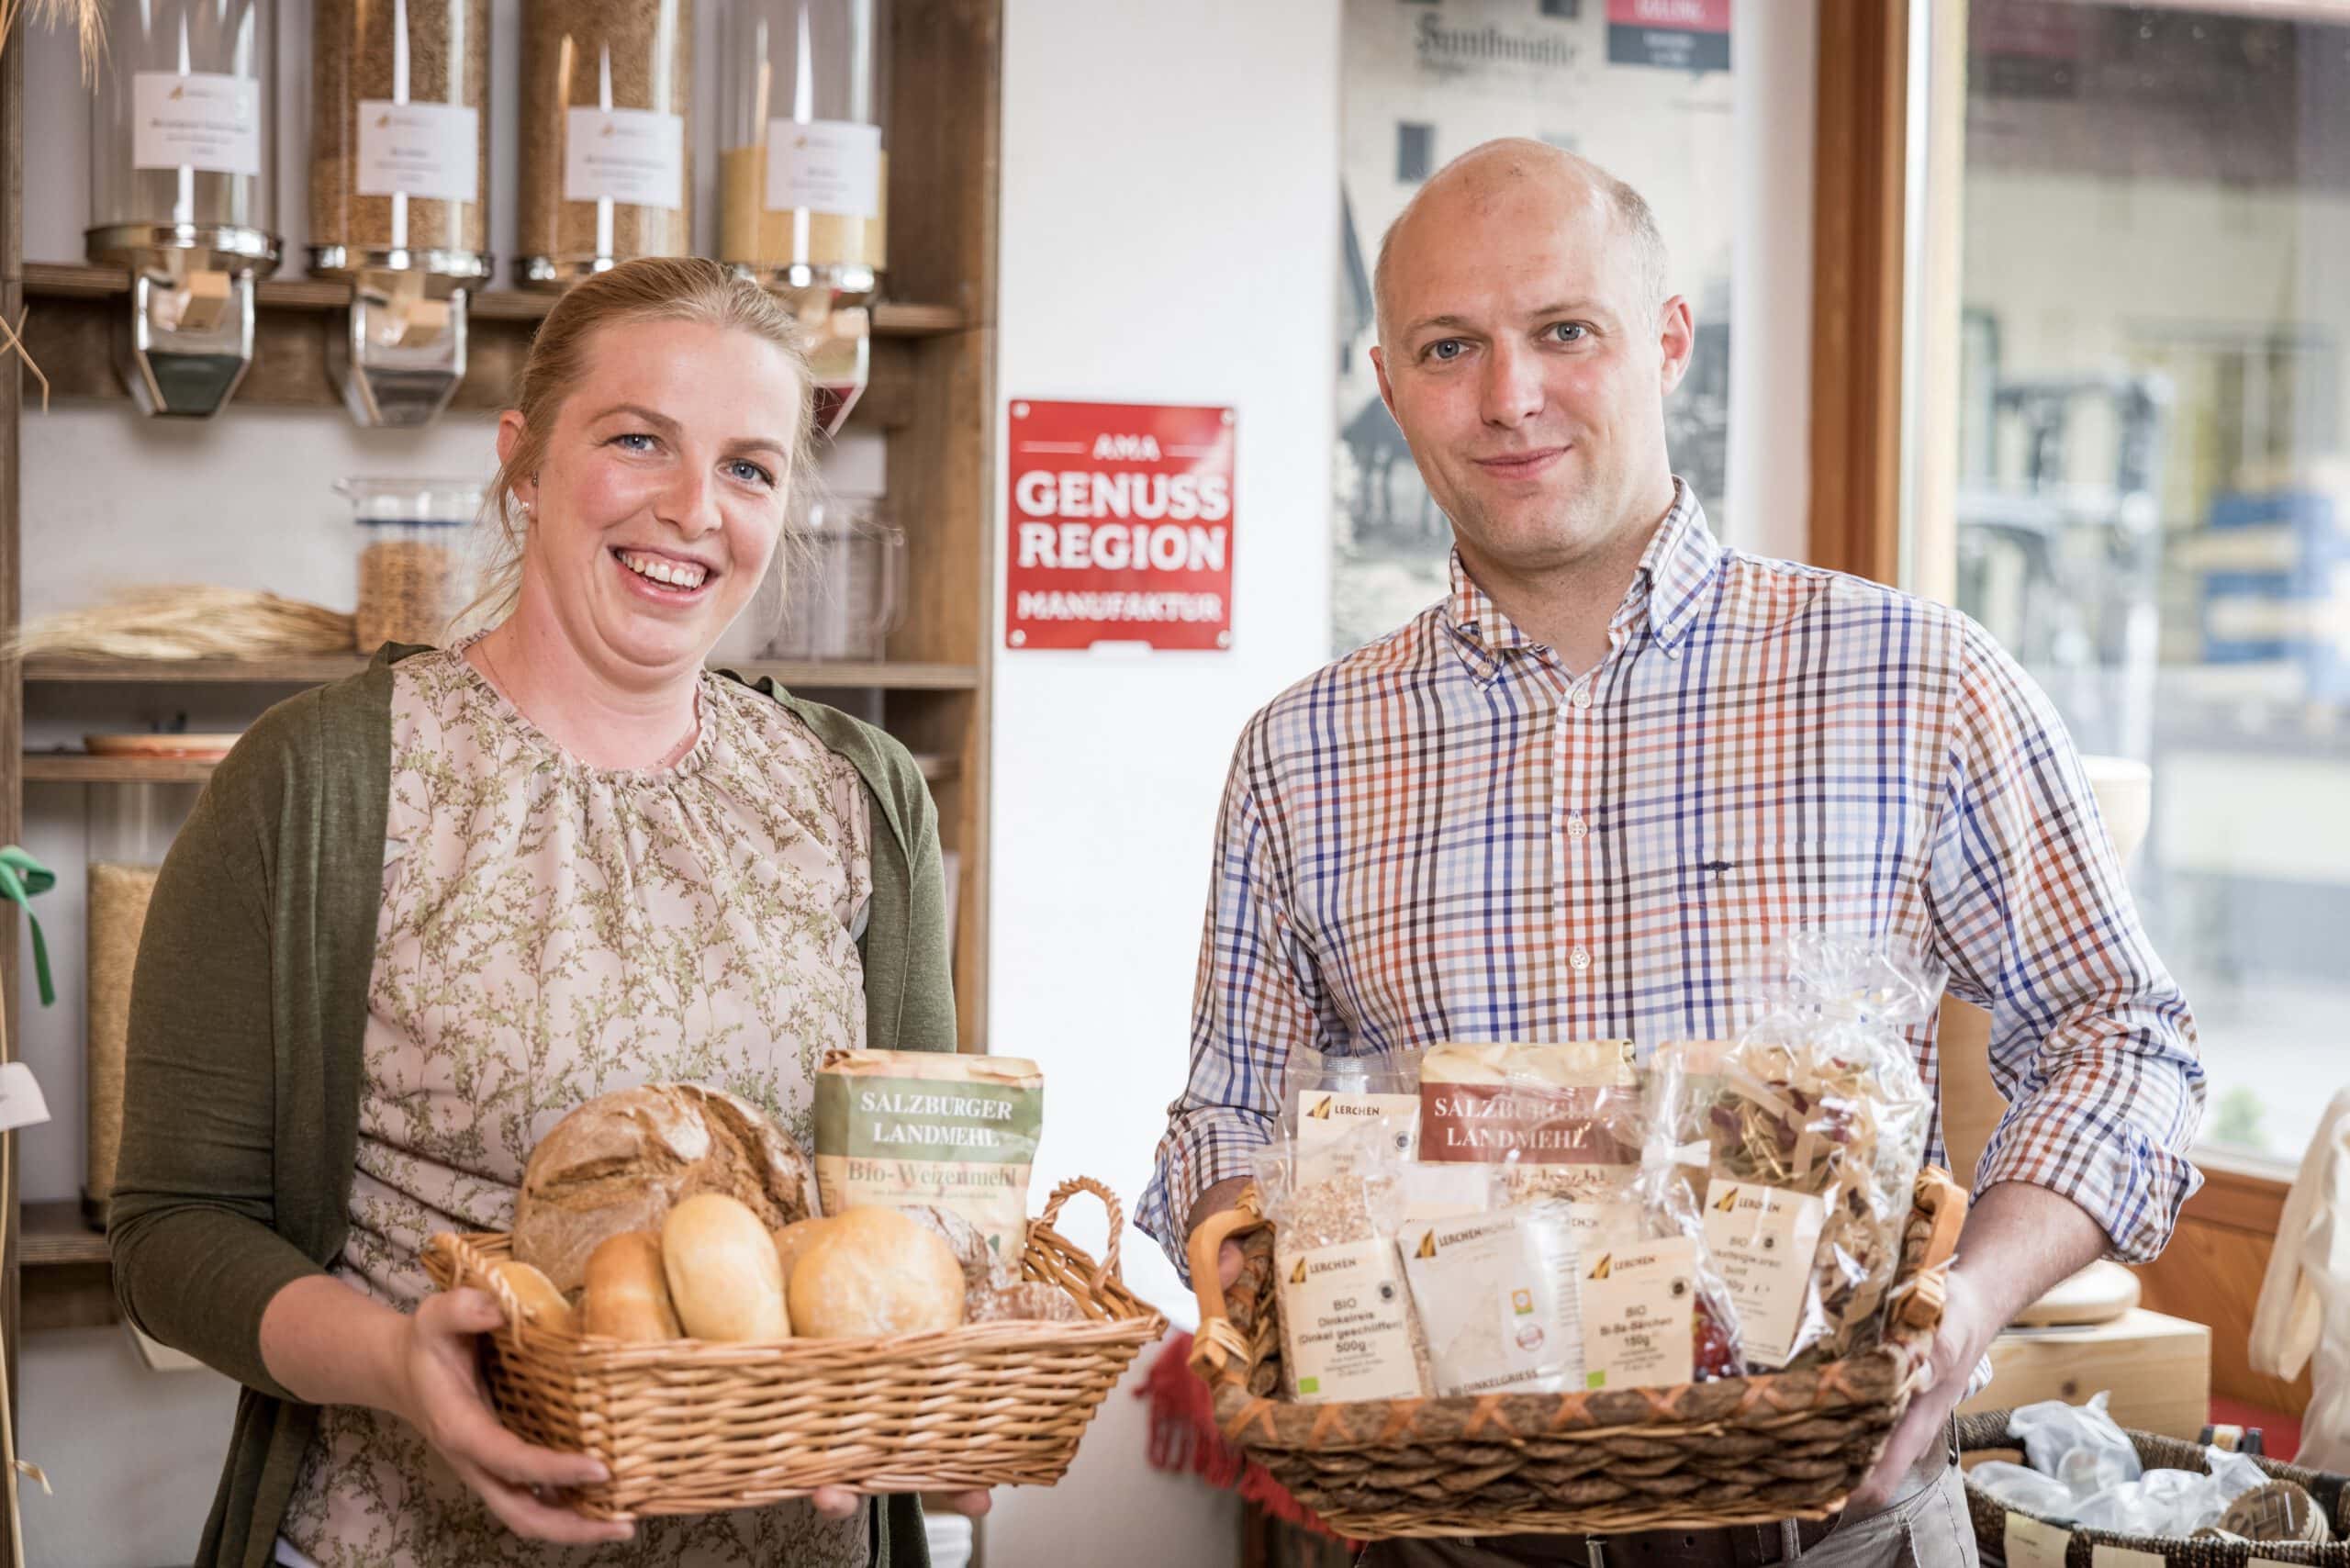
[
  {"x": 1946, "y": 1201},
  {"x": 1216, "y": 1338},
  {"x": 467, "y": 1273},
  {"x": 1108, "y": 1268}
]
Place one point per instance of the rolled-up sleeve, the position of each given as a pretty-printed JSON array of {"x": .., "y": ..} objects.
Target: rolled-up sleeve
[
  {"x": 2091, "y": 1041},
  {"x": 1252, "y": 1002}
]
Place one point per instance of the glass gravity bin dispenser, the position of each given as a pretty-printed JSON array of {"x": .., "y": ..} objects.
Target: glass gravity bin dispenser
[
  {"x": 399, "y": 186},
  {"x": 183, "y": 192},
  {"x": 803, "y": 176}
]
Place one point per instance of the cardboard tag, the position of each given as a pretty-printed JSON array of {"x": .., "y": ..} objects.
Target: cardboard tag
[
  {"x": 1638, "y": 1307},
  {"x": 2031, "y": 1544},
  {"x": 1347, "y": 1323},
  {"x": 2104, "y": 1556},
  {"x": 1763, "y": 1239},
  {"x": 21, "y": 1103}
]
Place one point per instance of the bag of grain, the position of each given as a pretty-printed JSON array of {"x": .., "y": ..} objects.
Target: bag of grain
[{"x": 897, "y": 1129}]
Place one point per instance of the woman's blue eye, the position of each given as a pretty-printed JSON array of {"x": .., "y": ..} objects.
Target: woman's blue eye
[
  {"x": 750, "y": 473},
  {"x": 628, "y": 436}
]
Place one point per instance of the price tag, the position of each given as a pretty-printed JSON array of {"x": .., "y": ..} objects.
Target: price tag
[
  {"x": 636, "y": 156},
  {"x": 2031, "y": 1544},
  {"x": 21, "y": 1105},
  {"x": 419, "y": 149},
  {"x": 2104, "y": 1556},
  {"x": 203, "y": 121},
  {"x": 825, "y": 166}
]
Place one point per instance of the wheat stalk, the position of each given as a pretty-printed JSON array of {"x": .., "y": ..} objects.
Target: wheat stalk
[
  {"x": 188, "y": 622},
  {"x": 89, "y": 26}
]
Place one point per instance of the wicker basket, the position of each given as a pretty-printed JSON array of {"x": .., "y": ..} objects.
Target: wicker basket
[
  {"x": 1985, "y": 1435},
  {"x": 692, "y": 1428},
  {"x": 1743, "y": 1450}
]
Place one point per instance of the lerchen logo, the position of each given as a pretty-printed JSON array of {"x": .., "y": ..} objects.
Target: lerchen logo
[
  {"x": 1605, "y": 1267},
  {"x": 1321, "y": 1111},
  {"x": 1428, "y": 1244},
  {"x": 1297, "y": 1275},
  {"x": 1727, "y": 1202}
]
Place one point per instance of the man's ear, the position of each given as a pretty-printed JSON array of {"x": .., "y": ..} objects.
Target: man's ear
[
  {"x": 1386, "y": 391},
  {"x": 1677, "y": 341}
]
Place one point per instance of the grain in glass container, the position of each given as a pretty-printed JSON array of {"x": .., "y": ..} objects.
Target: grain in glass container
[
  {"x": 803, "y": 176},
  {"x": 414, "y": 569},
  {"x": 399, "y": 136},
  {"x": 606, "y": 171},
  {"x": 130, "y": 828}
]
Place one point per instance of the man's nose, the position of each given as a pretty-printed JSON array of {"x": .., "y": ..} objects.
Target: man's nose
[{"x": 1513, "y": 386}]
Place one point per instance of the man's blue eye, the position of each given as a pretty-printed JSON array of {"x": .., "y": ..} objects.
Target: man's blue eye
[
  {"x": 1444, "y": 349},
  {"x": 1572, "y": 331}
]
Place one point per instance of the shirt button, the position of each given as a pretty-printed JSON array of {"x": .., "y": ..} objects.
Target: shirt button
[
  {"x": 1577, "y": 826},
  {"x": 1578, "y": 959},
  {"x": 1582, "y": 697}
]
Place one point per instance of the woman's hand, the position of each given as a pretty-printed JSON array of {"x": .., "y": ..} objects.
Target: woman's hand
[
  {"x": 840, "y": 1503},
  {"x": 439, "y": 1393}
]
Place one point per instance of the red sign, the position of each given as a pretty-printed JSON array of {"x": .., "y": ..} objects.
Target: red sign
[
  {"x": 1120, "y": 522},
  {"x": 1678, "y": 35}
]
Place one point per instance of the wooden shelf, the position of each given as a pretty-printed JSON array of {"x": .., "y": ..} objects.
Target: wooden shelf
[
  {"x": 73, "y": 280},
  {"x": 77, "y": 767},
  {"x": 76, "y": 314},
  {"x": 65, "y": 1276},
  {"x": 55, "y": 1236},
  {"x": 50, "y": 669}
]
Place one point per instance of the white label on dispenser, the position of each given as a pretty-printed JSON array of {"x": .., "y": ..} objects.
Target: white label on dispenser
[
  {"x": 824, "y": 165},
  {"x": 637, "y": 156},
  {"x": 201, "y": 121},
  {"x": 419, "y": 149}
]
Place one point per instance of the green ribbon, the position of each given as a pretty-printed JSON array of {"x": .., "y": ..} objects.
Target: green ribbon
[{"x": 21, "y": 877}]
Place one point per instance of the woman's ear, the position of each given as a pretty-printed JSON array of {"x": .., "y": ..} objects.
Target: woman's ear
[{"x": 510, "y": 439}]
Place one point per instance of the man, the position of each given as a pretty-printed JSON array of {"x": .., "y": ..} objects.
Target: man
[{"x": 1578, "y": 797}]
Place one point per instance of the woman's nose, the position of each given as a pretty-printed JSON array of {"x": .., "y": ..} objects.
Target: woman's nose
[{"x": 691, "y": 505}]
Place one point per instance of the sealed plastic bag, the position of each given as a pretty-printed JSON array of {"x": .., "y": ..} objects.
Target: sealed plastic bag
[
  {"x": 1347, "y": 1328},
  {"x": 1325, "y": 1098},
  {"x": 1818, "y": 1129},
  {"x": 1496, "y": 1297},
  {"x": 1565, "y": 1119},
  {"x": 2020, "y": 1486},
  {"x": 2078, "y": 1445}
]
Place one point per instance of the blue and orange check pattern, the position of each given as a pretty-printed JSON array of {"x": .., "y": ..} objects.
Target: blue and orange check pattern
[{"x": 1447, "y": 836}]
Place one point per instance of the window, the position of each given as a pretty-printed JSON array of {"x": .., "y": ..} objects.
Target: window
[
  {"x": 1567, "y": 10},
  {"x": 2135, "y": 471},
  {"x": 1414, "y": 151}
]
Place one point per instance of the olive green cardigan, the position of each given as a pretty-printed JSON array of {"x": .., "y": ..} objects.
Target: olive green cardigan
[{"x": 241, "y": 1112}]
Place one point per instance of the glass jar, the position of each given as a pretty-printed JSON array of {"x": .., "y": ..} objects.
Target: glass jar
[
  {"x": 400, "y": 138},
  {"x": 413, "y": 576},
  {"x": 842, "y": 579},
  {"x": 803, "y": 179},
  {"x": 182, "y": 128},
  {"x": 606, "y": 174},
  {"x": 183, "y": 193},
  {"x": 130, "y": 828}
]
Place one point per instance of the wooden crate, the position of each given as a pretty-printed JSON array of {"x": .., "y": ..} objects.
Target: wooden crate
[{"x": 2158, "y": 1370}]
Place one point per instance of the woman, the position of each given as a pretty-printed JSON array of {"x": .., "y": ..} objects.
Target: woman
[{"x": 420, "y": 914}]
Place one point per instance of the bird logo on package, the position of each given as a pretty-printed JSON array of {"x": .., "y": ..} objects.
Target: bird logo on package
[
  {"x": 1428, "y": 1244},
  {"x": 1297, "y": 1275}
]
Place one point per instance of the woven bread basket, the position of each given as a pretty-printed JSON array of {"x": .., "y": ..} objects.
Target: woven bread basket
[
  {"x": 1740, "y": 1451},
  {"x": 687, "y": 1426},
  {"x": 1986, "y": 1435}
]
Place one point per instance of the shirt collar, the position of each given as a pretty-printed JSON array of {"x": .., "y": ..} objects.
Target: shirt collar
[{"x": 1668, "y": 589}]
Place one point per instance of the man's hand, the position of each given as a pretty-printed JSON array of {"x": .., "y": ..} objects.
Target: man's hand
[
  {"x": 1965, "y": 1333},
  {"x": 1225, "y": 1194},
  {"x": 2018, "y": 1242}
]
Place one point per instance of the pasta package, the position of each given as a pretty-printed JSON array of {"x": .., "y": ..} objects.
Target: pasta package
[
  {"x": 905, "y": 1129},
  {"x": 1817, "y": 1127}
]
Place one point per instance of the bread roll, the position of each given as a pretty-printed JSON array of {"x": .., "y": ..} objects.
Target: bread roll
[
  {"x": 628, "y": 1292},
  {"x": 793, "y": 1239},
  {"x": 623, "y": 1160},
  {"x": 543, "y": 1305},
  {"x": 724, "y": 1279},
  {"x": 871, "y": 1273}
]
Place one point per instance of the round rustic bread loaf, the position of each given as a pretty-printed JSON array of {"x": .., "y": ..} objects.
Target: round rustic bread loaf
[
  {"x": 981, "y": 1269},
  {"x": 872, "y": 1273},
  {"x": 623, "y": 1160}
]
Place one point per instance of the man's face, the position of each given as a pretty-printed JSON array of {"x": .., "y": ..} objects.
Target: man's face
[{"x": 1527, "y": 368}]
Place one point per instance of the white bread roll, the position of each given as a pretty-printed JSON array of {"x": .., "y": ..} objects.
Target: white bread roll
[
  {"x": 872, "y": 1273},
  {"x": 724, "y": 1279},
  {"x": 628, "y": 1291},
  {"x": 793, "y": 1239},
  {"x": 543, "y": 1305},
  {"x": 622, "y": 1160}
]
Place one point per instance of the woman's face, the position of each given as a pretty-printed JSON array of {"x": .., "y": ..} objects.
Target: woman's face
[{"x": 657, "y": 505}]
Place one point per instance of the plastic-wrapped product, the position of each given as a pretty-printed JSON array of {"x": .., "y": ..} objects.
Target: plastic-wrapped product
[{"x": 1347, "y": 1329}]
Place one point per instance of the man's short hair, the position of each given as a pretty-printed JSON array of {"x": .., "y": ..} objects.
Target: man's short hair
[{"x": 1634, "y": 219}]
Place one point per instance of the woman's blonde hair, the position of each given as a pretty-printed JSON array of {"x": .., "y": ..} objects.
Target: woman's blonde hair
[{"x": 651, "y": 289}]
